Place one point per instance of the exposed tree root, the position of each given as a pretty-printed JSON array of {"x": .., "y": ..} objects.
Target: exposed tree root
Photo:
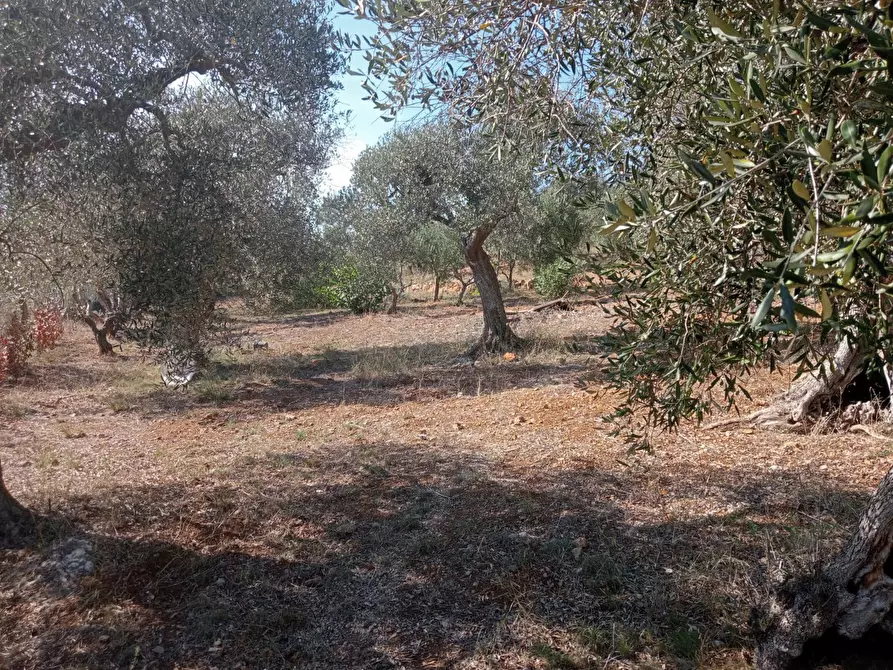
[
  {"x": 495, "y": 343},
  {"x": 854, "y": 592},
  {"x": 809, "y": 399},
  {"x": 862, "y": 428}
]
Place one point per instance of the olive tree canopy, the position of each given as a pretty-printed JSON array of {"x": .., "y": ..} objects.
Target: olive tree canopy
[
  {"x": 165, "y": 149},
  {"x": 80, "y": 68},
  {"x": 440, "y": 174},
  {"x": 82, "y": 81}
]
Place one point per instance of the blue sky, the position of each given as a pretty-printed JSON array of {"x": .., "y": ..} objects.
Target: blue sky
[{"x": 365, "y": 125}]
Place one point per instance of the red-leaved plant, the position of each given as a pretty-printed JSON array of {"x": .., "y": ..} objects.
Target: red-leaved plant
[
  {"x": 16, "y": 347},
  {"x": 20, "y": 338},
  {"x": 48, "y": 327}
]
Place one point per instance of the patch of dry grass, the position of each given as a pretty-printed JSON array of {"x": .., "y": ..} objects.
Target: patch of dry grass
[{"x": 349, "y": 498}]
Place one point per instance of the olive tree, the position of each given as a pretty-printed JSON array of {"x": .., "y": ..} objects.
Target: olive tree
[
  {"x": 441, "y": 174},
  {"x": 748, "y": 146},
  {"x": 437, "y": 250},
  {"x": 557, "y": 228},
  {"x": 221, "y": 204},
  {"x": 111, "y": 169}
]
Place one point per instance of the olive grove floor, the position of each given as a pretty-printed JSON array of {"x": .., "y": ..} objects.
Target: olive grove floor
[{"x": 350, "y": 497}]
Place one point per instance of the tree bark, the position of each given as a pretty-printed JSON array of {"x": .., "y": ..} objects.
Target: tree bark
[
  {"x": 497, "y": 334},
  {"x": 509, "y": 273},
  {"x": 71, "y": 120},
  {"x": 16, "y": 521},
  {"x": 809, "y": 396},
  {"x": 833, "y": 378},
  {"x": 851, "y": 595},
  {"x": 463, "y": 287},
  {"x": 436, "y": 288},
  {"x": 394, "y": 297},
  {"x": 102, "y": 334}
]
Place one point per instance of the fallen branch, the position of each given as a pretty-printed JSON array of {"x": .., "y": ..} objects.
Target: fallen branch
[{"x": 559, "y": 303}]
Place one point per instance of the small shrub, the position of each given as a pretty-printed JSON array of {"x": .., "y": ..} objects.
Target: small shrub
[
  {"x": 382, "y": 364},
  {"x": 119, "y": 402},
  {"x": 306, "y": 292},
  {"x": 359, "y": 292},
  {"x": 213, "y": 390},
  {"x": 48, "y": 328},
  {"x": 23, "y": 335},
  {"x": 554, "y": 280},
  {"x": 12, "y": 410},
  {"x": 16, "y": 346}
]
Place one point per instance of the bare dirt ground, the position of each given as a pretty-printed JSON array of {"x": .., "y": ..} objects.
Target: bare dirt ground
[{"x": 351, "y": 498}]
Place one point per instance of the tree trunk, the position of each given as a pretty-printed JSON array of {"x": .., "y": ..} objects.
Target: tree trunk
[
  {"x": 15, "y": 521},
  {"x": 508, "y": 272},
  {"x": 436, "y": 288},
  {"x": 102, "y": 334},
  {"x": 497, "y": 334},
  {"x": 464, "y": 287},
  {"x": 394, "y": 297},
  {"x": 850, "y": 596},
  {"x": 807, "y": 396}
]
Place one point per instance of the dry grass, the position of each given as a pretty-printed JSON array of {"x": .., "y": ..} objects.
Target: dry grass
[{"x": 351, "y": 499}]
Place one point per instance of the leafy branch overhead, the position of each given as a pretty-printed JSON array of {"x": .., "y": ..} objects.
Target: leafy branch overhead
[{"x": 747, "y": 149}]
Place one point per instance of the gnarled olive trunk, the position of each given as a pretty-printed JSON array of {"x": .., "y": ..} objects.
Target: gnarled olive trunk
[
  {"x": 436, "y": 288},
  {"x": 463, "y": 288},
  {"x": 101, "y": 333},
  {"x": 395, "y": 296},
  {"x": 497, "y": 334},
  {"x": 15, "y": 520},
  {"x": 805, "y": 399},
  {"x": 833, "y": 378},
  {"x": 851, "y": 595}
]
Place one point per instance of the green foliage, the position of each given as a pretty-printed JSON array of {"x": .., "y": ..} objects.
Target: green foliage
[
  {"x": 436, "y": 249},
  {"x": 555, "y": 227},
  {"x": 360, "y": 292},
  {"x": 554, "y": 280},
  {"x": 115, "y": 174},
  {"x": 306, "y": 292},
  {"x": 415, "y": 194},
  {"x": 766, "y": 218},
  {"x": 746, "y": 148}
]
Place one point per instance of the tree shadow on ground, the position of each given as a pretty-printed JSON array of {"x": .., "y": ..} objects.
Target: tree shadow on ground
[
  {"x": 64, "y": 376},
  {"x": 407, "y": 555},
  {"x": 312, "y": 320},
  {"x": 377, "y": 376}
]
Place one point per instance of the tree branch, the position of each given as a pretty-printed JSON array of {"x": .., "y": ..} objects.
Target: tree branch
[{"x": 110, "y": 113}]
